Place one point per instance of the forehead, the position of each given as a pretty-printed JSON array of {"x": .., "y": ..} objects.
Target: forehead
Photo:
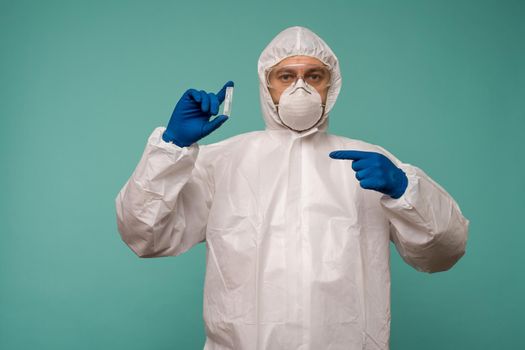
[{"x": 299, "y": 59}]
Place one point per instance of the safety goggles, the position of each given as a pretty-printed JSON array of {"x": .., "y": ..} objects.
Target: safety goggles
[{"x": 281, "y": 77}]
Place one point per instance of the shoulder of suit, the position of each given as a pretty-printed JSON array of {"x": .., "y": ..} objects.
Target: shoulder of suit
[
  {"x": 359, "y": 145},
  {"x": 223, "y": 148},
  {"x": 232, "y": 140}
]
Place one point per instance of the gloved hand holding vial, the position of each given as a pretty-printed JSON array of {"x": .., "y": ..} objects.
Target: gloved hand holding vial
[{"x": 190, "y": 120}]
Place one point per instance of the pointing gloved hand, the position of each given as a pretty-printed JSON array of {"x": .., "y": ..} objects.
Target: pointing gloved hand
[
  {"x": 190, "y": 120},
  {"x": 375, "y": 171}
]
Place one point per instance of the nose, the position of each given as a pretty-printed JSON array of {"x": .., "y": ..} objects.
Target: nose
[
  {"x": 300, "y": 84},
  {"x": 300, "y": 78}
]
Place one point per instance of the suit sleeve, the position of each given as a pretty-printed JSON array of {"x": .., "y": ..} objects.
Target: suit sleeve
[
  {"x": 426, "y": 224},
  {"x": 162, "y": 210}
]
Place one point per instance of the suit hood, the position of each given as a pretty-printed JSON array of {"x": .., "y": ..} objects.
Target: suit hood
[{"x": 296, "y": 41}]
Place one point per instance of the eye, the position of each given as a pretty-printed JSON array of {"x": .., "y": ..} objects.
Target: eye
[
  {"x": 315, "y": 77},
  {"x": 286, "y": 77}
]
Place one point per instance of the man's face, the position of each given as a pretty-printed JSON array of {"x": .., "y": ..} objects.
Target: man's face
[{"x": 276, "y": 91}]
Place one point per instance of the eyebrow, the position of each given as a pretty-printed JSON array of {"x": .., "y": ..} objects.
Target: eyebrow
[
  {"x": 284, "y": 69},
  {"x": 315, "y": 69}
]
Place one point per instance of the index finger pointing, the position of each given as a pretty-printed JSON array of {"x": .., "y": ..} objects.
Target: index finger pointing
[{"x": 350, "y": 154}]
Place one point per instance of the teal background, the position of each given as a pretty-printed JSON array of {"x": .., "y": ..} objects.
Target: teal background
[{"x": 83, "y": 83}]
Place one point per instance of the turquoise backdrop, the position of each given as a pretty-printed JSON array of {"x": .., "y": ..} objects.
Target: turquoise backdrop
[{"x": 441, "y": 84}]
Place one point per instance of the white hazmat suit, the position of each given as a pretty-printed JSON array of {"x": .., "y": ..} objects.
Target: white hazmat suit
[{"x": 297, "y": 253}]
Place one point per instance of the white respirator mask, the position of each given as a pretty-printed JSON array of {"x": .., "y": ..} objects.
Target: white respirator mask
[{"x": 300, "y": 106}]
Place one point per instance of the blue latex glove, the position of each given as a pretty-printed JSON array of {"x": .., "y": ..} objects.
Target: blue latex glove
[
  {"x": 375, "y": 171},
  {"x": 190, "y": 120}
]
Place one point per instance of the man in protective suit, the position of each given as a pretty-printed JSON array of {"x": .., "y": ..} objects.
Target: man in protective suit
[{"x": 297, "y": 222}]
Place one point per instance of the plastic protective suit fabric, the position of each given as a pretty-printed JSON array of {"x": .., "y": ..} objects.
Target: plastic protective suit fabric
[{"x": 297, "y": 254}]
